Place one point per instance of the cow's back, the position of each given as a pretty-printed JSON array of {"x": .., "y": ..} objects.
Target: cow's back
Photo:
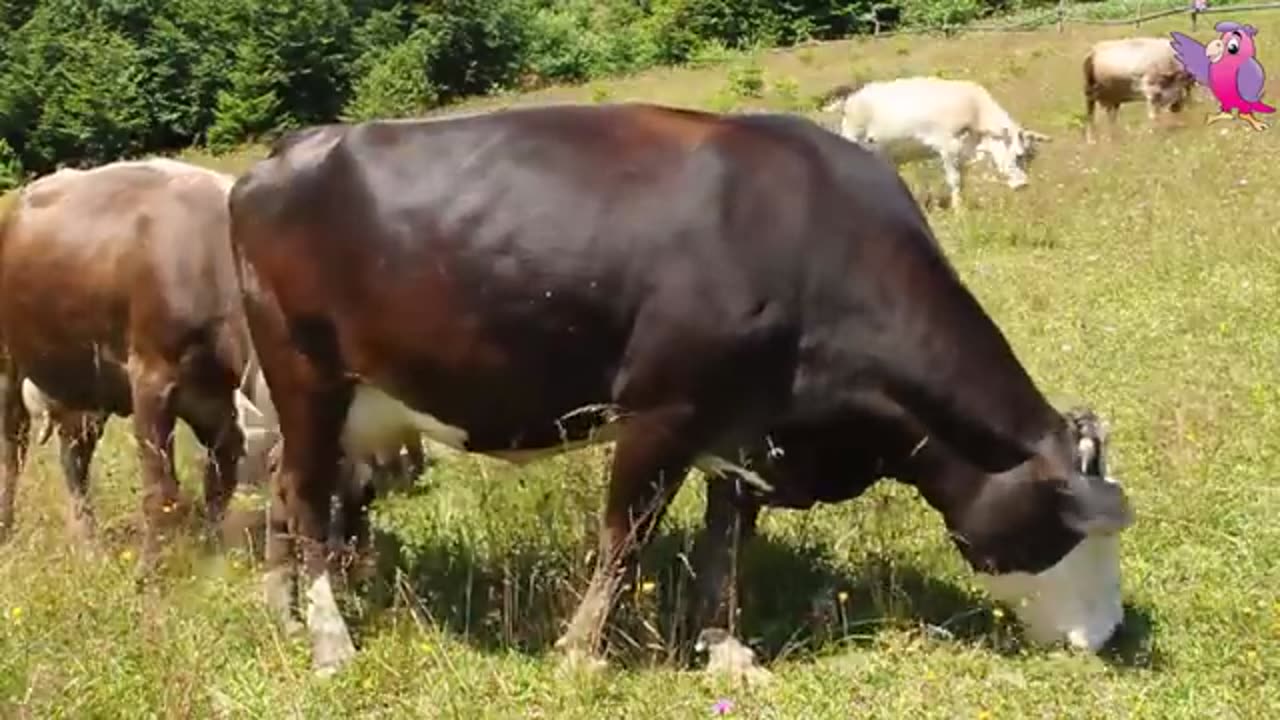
[
  {"x": 923, "y": 108},
  {"x": 494, "y": 271},
  {"x": 1116, "y": 69}
]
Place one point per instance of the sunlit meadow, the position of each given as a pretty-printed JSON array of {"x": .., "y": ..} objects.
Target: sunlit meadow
[{"x": 1140, "y": 274}]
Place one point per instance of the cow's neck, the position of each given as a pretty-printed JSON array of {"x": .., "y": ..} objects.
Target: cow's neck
[{"x": 941, "y": 358}]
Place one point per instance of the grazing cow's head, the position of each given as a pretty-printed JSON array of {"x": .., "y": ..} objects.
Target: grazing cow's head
[
  {"x": 1011, "y": 150},
  {"x": 1043, "y": 538},
  {"x": 1175, "y": 90}
]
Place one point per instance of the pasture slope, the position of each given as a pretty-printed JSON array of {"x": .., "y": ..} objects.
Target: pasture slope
[{"x": 1141, "y": 274}]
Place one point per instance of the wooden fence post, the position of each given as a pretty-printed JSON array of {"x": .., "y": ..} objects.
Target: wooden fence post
[
  {"x": 1137, "y": 18},
  {"x": 1062, "y": 12}
]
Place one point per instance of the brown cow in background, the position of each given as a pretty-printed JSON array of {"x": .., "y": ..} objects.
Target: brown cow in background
[
  {"x": 118, "y": 297},
  {"x": 1128, "y": 69}
]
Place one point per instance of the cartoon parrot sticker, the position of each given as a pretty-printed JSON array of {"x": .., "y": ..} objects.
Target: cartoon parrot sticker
[{"x": 1227, "y": 67}]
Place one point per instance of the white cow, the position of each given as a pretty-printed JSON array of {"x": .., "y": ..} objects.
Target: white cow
[
  {"x": 956, "y": 120},
  {"x": 1120, "y": 71}
]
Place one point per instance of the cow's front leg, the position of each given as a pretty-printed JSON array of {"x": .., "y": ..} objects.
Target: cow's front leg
[
  {"x": 152, "y": 388},
  {"x": 951, "y": 171},
  {"x": 729, "y": 522},
  {"x": 279, "y": 579},
  {"x": 650, "y": 461},
  {"x": 218, "y": 430}
]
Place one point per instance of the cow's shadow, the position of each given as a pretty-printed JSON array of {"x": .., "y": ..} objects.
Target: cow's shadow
[{"x": 795, "y": 604}]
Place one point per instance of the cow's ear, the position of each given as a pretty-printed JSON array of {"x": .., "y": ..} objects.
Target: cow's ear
[{"x": 1096, "y": 505}]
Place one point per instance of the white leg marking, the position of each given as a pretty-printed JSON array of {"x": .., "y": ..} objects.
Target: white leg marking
[{"x": 331, "y": 643}]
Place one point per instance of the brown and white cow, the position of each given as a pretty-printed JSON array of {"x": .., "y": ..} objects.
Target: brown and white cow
[
  {"x": 691, "y": 281},
  {"x": 118, "y": 296},
  {"x": 1129, "y": 69},
  {"x": 914, "y": 118}
]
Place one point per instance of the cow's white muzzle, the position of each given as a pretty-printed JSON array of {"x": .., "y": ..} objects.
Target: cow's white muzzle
[{"x": 1077, "y": 600}]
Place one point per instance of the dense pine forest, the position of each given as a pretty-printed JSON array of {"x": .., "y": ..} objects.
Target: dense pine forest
[{"x": 86, "y": 81}]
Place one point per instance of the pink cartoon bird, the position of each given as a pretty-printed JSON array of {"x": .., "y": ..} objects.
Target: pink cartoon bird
[{"x": 1227, "y": 67}]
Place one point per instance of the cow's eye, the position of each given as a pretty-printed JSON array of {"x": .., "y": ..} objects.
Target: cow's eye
[{"x": 1233, "y": 45}]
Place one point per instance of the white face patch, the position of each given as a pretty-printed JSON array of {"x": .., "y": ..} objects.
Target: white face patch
[
  {"x": 1077, "y": 600},
  {"x": 1003, "y": 155},
  {"x": 377, "y": 424}
]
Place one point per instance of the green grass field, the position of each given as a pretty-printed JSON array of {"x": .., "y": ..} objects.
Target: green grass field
[{"x": 1139, "y": 274}]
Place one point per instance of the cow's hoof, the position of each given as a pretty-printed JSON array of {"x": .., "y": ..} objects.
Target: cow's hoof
[
  {"x": 325, "y": 670},
  {"x": 728, "y": 657},
  {"x": 330, "y": 654},
  {"x": 573, "y": 660}
]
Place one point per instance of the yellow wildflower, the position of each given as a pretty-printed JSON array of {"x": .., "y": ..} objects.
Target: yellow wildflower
[
  {"x": 842, "y": 595},
  {"x": 15, "y": 614},
  {"x": 647, "y": 586}
]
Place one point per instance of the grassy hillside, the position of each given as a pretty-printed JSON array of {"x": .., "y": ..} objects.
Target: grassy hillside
[{"x": 1139, "y": 274}]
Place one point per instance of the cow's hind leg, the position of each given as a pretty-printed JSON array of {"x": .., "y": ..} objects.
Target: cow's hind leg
[
  {"x": 78, "y": 436},
  {"x": 729, "y": 523},
  {"x": 356, "y": 491},
  {"x": 15, "y": 425},
  {"x": 650, "y": 460}
]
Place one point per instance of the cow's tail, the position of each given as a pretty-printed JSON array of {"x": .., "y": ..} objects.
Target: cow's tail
[
  {"x": 10, "y": 379},
  {"x": 1090, "y": 94},
  {"x": 831, "y": 100},
  {"x": 1090, "y": 78}
]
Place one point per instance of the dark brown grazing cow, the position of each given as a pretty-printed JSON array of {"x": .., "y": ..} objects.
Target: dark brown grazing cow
[
  {"x": 1004, "y": 524},
  {"x": 509, "y": 282},
  {"x": 118, "y": 296}
]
